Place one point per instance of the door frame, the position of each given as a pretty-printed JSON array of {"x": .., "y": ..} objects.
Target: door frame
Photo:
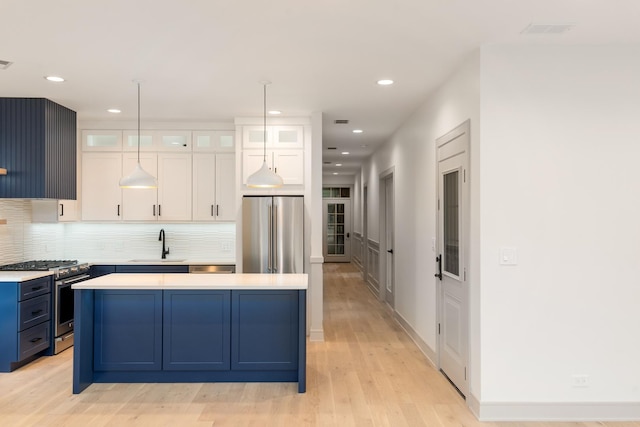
[
  {"x": 465, "y": 198},
  {"x": 348, "y": 224},
  {"x": 382, "y": 227}
]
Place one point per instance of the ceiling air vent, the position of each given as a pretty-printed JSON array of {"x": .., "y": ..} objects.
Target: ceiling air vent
[
  {"x": 4, "y": 64},
  {"x": 332, "y": 148},
  {"x": 547, "y": 28},
  {"x": 341, "y": 121}
]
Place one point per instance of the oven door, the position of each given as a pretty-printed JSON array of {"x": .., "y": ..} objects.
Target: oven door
[{"x": 63, "y": 304}]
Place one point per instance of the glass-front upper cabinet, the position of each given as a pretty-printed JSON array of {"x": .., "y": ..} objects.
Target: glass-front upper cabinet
[
  {"x": 214, "y": 140},
  {"x": 157, "y": 140},
  {"x": 101, "y": 140}
]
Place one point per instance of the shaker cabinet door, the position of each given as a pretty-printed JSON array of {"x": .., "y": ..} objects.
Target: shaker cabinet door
[{"x": 196, "y": 330}]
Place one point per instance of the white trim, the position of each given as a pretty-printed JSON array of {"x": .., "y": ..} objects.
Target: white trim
[
  {"x": 568, "y": 411},
  {"x": 316, "y": 335},
  {"x": 316, "y": 259},
  {"x": 429, "y": 353}
]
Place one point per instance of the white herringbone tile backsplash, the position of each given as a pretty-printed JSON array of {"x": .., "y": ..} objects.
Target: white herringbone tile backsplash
[{"x": 20, "y": 240}]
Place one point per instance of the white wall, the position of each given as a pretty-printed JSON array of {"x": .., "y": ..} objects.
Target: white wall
[
  {"x": 411, "y": 154},
  {"x": 559, "y": 181}
]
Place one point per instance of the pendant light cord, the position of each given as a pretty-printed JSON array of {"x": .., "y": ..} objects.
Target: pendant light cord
[
  {"x": 138, "y": 122},
  {"x": 264, "y": 152}
]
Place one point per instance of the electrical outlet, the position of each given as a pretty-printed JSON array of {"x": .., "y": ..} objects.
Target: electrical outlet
[{"x": 580, "y": 380}]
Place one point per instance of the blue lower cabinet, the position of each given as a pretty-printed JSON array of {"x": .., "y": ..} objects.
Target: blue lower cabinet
[
  {"x": 264, "y": 331},
  {"x": 128, "y": 330},
  {"x": 167, "y": 268},
  {"x": 196, "y": 332}
]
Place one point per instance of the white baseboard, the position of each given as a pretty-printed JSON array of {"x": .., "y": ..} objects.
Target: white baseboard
[
  {"x": 316, "y": 335},
  {"x": 423, "y": 346},
  {"x": 569, "y": 411}
]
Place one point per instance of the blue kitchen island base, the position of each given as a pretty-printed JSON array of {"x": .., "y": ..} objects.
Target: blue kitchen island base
[{"x": 139, "y": 335}]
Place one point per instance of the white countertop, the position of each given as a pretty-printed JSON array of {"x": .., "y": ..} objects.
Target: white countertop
[
  {"x": 185, "y": 281},
  {"x": 22, "y": 276}
]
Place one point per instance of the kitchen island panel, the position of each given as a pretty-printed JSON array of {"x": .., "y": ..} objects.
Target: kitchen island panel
[
  {"x": 128, "y": 330},
  {"x": 196, "y": 330}
]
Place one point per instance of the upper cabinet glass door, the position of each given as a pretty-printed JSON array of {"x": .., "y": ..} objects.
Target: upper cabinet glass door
[{"x": 101, "y": 140}]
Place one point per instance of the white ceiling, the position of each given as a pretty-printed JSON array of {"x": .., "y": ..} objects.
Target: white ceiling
[{"x": 202, "y": 60}]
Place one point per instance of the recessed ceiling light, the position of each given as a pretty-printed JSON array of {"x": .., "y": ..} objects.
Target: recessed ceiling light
[
  {"x": 338, "y": 164},
  {"x": 335, "y": 173},
  {"x": 385, "y": 82},
  {"x": 275, "y": 112},
  {"x": 345, "y": 152},
  {"x": 114, "y": 110},
  {"x": 357, "y": 131},
  {"x": 55, "y": 79}
]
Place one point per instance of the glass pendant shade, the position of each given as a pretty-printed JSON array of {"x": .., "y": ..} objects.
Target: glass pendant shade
[
  {"x": 264, "y": 178},
  {"x": 138, "y": 179}
]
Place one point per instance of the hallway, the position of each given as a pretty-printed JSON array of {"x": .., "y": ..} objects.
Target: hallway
[{"x": 366, "y": 373}]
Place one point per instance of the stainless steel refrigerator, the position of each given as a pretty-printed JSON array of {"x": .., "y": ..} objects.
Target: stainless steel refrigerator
[{"x": 273, "y": 234}]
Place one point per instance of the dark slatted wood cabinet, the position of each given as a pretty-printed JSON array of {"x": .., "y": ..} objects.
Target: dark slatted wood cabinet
[{"x": 38, "y": 149}]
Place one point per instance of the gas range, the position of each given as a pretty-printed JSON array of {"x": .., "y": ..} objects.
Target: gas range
[{"x": 61, "y": 268}]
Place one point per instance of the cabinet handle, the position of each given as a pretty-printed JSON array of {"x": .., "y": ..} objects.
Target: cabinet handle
[
  {"x": 217, "y": 210},
  {"x": 36, "y": 339},
  {"x": 159, "y": 210},
  {"x": 154, "y": 210},
  {"x": 36, "y": 288},
  {"x": 61, "y": 209},
  {"x": 118, "y": 210},
  {"x": 212, "y": 210},
  {"x": 33, "y": 313}
]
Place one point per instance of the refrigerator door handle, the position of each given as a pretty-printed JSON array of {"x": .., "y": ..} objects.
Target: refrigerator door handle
[
  {"x": 270, "y": 240},
  {"x": 275, "y": 240}
]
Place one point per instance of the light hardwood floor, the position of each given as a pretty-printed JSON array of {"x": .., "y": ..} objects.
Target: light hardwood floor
[{"x": 366, "y": 373}]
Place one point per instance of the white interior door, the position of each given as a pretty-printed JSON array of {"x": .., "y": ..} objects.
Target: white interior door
[
  {"x": 453, "y": 293},
  {"x": 389, "y": 239},
  {"x": 337, "y": 230}
]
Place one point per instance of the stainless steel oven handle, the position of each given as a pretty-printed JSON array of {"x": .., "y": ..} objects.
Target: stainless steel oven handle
[{"x": 74, "y": 279}]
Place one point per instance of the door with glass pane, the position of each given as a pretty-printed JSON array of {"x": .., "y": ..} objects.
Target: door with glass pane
[
  {"x": 452, "y": 259},
  {"x": 337, "y": 230}
]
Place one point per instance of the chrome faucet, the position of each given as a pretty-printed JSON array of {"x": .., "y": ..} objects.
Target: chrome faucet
[{"x": 165, "y": 252}]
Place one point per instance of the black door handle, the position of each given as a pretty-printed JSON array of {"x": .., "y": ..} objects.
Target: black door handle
[
  {"x": 439, "y": 273},
  {"x": 390, "y": 251}
]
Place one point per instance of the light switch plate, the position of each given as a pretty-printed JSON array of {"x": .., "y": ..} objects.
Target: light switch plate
[{"x": 508, "y": 256}]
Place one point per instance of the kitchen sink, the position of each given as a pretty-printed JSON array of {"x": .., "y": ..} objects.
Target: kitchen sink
[{"x": 153, "y": 261}]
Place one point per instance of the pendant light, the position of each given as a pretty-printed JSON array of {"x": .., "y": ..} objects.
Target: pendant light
[
  {"x": 264, "y": 177},
  {"x": 138, "y": 178}
]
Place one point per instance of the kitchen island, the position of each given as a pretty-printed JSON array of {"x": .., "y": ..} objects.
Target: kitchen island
[{"x": 190, "y": 328}]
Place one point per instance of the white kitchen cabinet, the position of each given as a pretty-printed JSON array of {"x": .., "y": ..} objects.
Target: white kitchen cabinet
[
  {"x": 171, "y": 201},
  {"x": 213, "y": 140},
  {"x": 214, "y": 187},
  {"x": 289, "y": 164},
  {"x": 53, "y": 211},
  {"x": 101, "y": 193},
  {"x": 157, "y": 140},
  {"x": 101, "y": 140},
  {"x": 277, "y": 137}
]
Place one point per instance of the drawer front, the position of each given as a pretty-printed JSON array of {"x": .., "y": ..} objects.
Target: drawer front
[
  {"x": 33, "y": 340},
  {"x": 34, "y": 311},
  {"x": 34, "y": 288}
]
